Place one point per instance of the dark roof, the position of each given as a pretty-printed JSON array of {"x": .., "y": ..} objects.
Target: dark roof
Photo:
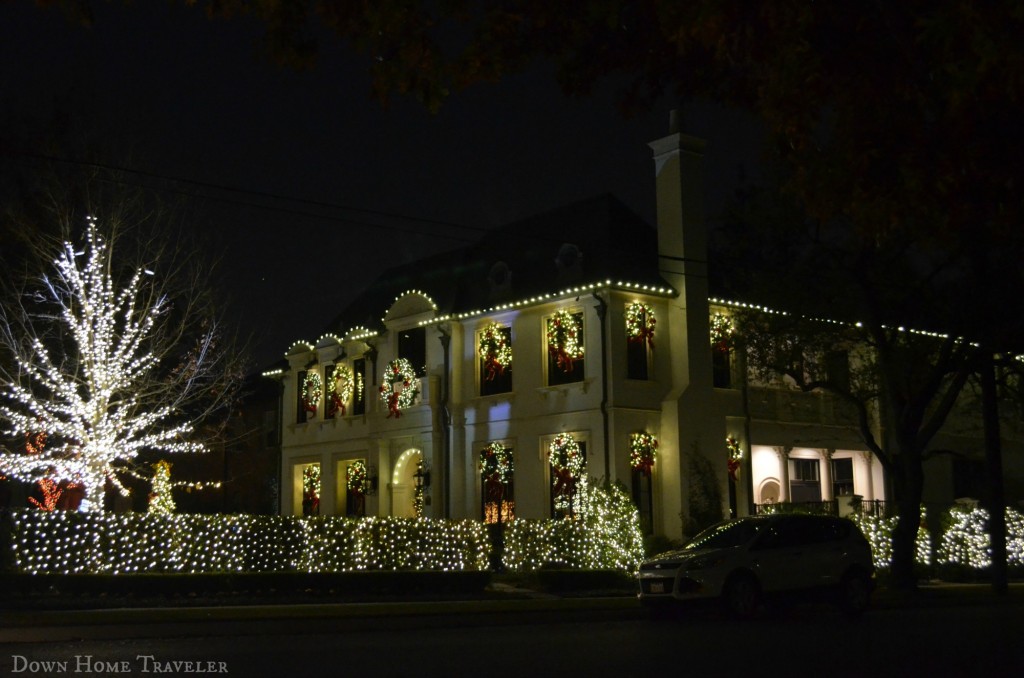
[{"x": 611, "y": 243}]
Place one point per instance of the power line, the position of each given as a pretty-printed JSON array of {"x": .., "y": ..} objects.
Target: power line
[{"x": 269, "y": 195}]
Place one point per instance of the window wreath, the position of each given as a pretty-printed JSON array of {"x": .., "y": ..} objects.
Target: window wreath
[
  {"x": 311, "y": 489},
  {"x": 356, "y": 477},
  {"x": 397, "y": 371},
  {"x": 496, "y": 463},
  {"x": 643, "y": 448},
  {"x": 340, "y": 388},
  {"x": 312, "y": 389},
  {"x": 722, "y": 330},
  {"x": 735, "y": 455},
  {"x": 495, "y": 350},
  {"x": 565, "y": 339},
  {"x": 640, "y": 322},
  {"x": 566, "y": 460}
]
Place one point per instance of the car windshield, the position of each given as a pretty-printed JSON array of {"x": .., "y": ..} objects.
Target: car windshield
[{"x": 724, "y": 535}]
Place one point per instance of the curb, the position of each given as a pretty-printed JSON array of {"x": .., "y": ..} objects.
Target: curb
[{"x": 58, "y": 618}]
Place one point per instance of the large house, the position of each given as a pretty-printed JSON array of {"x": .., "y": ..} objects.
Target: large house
[{"x": 487, "y": 382}]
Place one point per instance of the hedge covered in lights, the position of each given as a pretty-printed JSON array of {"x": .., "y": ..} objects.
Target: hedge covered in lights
[
  {"x": 605, "y": 535},
  {"x": 878, "y": 531},
  {"x": 64, "y": 542},
  {"x": 966, "y": 542}
]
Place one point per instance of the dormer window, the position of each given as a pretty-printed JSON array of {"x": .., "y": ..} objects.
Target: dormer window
[{"x": 412, "y": 345}]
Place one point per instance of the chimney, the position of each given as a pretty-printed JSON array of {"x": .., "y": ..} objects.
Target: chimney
[
  {"x": 683, "y": 253},
  {"x": 682, "y": 235}
]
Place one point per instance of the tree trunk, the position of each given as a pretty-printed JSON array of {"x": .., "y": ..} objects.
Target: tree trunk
[
  {"x": 910, "y": 486},
  {"x": 994, "y": 465}
]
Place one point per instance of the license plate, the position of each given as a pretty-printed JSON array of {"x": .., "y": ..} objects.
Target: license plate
[{"x": 657, "y": 587}]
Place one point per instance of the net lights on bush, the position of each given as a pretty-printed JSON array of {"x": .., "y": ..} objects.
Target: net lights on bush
[
  {"x": 966, "y": 541},
  {"x": 64, "y": 542},
  {"x": 604, "y": 534}
]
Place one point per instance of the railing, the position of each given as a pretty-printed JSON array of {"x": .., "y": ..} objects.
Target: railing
[{"x": 833, "y": 507}]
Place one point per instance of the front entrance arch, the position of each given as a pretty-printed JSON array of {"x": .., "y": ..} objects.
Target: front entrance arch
[{"x": 403, "y": 484}]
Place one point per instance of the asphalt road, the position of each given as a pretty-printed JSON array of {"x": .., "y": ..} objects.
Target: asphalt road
[{"x": 609, "y": 640}]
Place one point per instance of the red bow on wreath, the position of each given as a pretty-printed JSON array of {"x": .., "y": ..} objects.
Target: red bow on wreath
[
  {"x": 494, "y": 368},
  {"x": 564, "y": 482},
  {"x": 337, "y": 404},
  {"x": 734, "y": 469},
  {"x": 645, "y": 333},
  {"x": 393, "y": 406},
  {"x": 645, "y": 465},
  {"x": 562, "y": 359}
]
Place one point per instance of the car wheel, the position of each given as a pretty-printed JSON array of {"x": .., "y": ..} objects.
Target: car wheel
[
  {"x": 854, "y": 594},
  {"x": 742, "y": 596}
]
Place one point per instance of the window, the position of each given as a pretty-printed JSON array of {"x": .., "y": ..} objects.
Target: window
[
  {"x": 564, "y": 343},
  {"x": 568, "y": 465},
  {"x": 637, "y": 360},
  {"x": 311, "y": 490},
  {"x": 356, "y": 486},
  {"x": 330, "y": 409},
  {"x": 640, "y": 325},
  {"x": 359, "y": 387},
  {"x": 842, "y": 477},
  {"x": 643, "y": 497},
  {"x": 300, "y": 406},
  {"x": 804, "y": 480},
  {"x": 721, "y": 366},
  {"x": 412, "y": 345},
  {"x": 497, "y": 484},
  {"x": 494, "y": 346}
]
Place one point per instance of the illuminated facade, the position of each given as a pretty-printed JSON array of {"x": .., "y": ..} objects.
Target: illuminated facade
[{"x": 485, "y": 383}]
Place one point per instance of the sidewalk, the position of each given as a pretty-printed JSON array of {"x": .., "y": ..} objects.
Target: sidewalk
[{"x": 500, "y": 598}]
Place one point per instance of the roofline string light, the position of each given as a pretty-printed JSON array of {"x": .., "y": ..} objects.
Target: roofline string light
[{"x": 568, "y": 292}]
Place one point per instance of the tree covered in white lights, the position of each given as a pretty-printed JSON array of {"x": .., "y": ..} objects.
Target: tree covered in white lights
[{"x": 104, "y": 363}]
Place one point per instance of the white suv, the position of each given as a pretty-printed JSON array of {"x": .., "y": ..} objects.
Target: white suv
[{"x": 741, "y": 561}]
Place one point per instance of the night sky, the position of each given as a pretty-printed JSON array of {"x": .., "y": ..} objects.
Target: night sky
[{"x": 310, "y": 186}]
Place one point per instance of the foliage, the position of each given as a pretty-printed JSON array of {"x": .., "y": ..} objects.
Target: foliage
[{"x": 704, "y": 496}]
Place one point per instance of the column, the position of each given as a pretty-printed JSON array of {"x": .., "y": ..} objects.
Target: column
[
  {"x": 783, "y": 453},
  {"x": 826, "y": 474},
  {"x": 869, "y": 489}
]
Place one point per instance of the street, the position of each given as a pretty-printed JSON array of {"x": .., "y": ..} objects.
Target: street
[{"x": 812, "y": 640}]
